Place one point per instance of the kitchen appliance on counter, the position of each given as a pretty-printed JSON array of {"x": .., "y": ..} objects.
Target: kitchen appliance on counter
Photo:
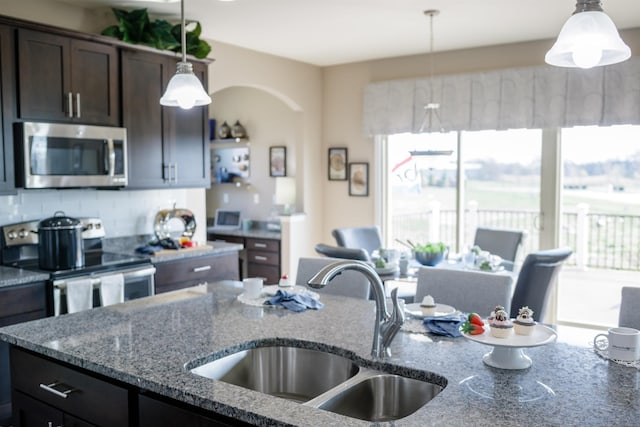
[
  {"x": 58, "y": 155},
  {"x": 19, "y": 245}
]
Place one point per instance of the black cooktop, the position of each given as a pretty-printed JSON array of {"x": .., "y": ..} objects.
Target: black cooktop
[{"x": 95, "y": 261}]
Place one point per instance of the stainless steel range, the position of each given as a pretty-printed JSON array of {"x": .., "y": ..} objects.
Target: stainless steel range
[{"x": 19, "y": 243}]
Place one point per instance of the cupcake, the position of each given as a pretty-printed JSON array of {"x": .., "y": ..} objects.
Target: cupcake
[
  {"x": 493, "y": 313},
  {"x": 501, "y": 326},
  {"x": 524, "y": 323},
  {"x": 428, "y": 306}
]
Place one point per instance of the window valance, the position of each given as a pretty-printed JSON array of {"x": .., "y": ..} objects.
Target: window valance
[{"x": 533, "y": 97}]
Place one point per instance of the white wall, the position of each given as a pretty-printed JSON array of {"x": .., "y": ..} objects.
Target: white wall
[{"x": 269, "y": 122}]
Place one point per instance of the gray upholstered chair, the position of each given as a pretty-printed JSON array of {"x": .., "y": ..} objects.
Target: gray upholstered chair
[
  {"x": 343, "y": 253},
  {"x": 467, "y": 291},
  {"x": 367, "y": 238},
  {"x": 536, "y": 278},
  {"x": 500, "y": 241},
  {"x": 348, "y": 283},
  {"x": 630, "y": 307}
]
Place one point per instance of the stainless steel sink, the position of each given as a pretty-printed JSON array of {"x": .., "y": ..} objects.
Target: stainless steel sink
[
  {"x": 323, "y": 380},
  {"x": 381, "y": 397},
  {"x": 293, "y": 373}
]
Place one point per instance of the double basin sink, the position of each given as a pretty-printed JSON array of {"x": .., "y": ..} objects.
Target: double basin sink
[{"x": 325, "y": 380}]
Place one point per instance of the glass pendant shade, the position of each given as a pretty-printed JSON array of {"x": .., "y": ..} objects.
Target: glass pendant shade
[
  {"x": 184, "y": 89},
  {"x": 588, "y": 39}
]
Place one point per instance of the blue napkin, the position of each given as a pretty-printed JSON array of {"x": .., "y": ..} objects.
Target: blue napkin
[
  {"x": 148, "y": 249},
  {"x": 294, "y": 302},
  {"x": 448, "y": 326}
]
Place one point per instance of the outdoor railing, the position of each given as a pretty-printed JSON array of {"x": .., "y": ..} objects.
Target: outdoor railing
[{"x": 598, "y": 240}]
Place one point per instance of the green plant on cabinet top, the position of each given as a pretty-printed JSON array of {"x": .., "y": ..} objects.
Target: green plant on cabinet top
[{"x": 135, "y": 27}]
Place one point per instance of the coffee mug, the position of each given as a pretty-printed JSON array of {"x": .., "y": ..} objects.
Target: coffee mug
[
  {"x": 622, "y": 343},
  {"x": 252, "y": 286}
]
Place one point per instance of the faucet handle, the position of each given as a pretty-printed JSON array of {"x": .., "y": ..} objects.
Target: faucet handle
[{"x": 397, "y": 316}]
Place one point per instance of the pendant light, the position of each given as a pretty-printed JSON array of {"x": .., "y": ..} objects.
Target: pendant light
[
  {"x": 588, "y": 39},
  {"x": 184, "y": 89},
  {"x": 431, "y": 108}
]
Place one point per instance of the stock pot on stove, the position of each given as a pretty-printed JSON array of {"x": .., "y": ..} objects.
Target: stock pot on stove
[{"x": 60, "y": 244}]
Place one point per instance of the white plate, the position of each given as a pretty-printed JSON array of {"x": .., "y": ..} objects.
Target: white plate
[
  {"x": 441, "y": 310},
  {"x": 541, "y": 335}
]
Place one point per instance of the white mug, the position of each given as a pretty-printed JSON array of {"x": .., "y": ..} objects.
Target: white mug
[
  {"x": 622, "y": 343},
  {"x": 252, "y": 287}
]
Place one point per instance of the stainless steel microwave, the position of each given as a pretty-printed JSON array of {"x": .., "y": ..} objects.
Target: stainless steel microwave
[{"x": 57, "y": 155}]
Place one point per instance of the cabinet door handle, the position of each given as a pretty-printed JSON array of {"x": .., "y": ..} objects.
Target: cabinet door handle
[
  {"x": 70, "y": 104},
  {"x": 260, "y": 258},
  {"x": 50, "y": 388},
  {"x": 78, "y": 105},
  {"x": 203, "y": 268},
  {"x": 259, "y": 245},
  {"x": 175, "y": 173}
]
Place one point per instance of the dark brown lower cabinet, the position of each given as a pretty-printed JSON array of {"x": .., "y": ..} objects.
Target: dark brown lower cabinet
[
  {"x": 157, "y": 413},
  {"x": 186, "y": 272},
  {"x": 31, "y": 412},
  {"x": 44, "y": 388}
]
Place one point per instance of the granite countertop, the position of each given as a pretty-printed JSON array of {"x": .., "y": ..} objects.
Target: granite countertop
[
  {"x": 10, "y": 276},
  {"x": 251, "y": 233},
  {"x": 147, "y": 342}
]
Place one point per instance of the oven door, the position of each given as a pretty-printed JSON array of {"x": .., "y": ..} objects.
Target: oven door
[{"x": 138, "y": 283}]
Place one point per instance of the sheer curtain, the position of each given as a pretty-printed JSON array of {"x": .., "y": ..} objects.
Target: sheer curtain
[{"x": 533, "y": 97}]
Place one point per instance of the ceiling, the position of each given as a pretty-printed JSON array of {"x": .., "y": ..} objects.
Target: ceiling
[{"x": 330, "y": 32}]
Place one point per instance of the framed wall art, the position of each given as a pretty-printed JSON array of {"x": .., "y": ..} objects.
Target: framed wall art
[
  {"x": 338, "y": 164},
  {"x": 277, "y": 161},
  {"x": 359, "y": 179}
]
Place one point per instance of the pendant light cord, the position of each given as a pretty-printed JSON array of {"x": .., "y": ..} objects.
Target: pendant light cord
[{"x": 184, "y": 33}]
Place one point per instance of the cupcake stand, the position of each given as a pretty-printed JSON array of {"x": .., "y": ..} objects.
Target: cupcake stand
[{"x": 507, "y": 353}]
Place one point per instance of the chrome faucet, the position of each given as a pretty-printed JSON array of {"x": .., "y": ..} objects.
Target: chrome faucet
[{"x": 387, "y": 325}]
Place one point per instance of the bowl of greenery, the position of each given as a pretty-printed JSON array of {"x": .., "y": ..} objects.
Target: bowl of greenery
[{"x": 430, "y": 254}]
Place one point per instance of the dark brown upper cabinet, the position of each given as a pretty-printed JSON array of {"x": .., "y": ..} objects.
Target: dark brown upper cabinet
[
  {"x": 7, "y": 61},
  {"x": 167, "y": 146},
  {"x": 67, "y": 80}
]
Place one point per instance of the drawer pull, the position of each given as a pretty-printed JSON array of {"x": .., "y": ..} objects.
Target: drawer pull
[
  {"x": 260, "y": 245},
  {"x": 50, "y": 388},
  {"x": 203, "y": 268},
  {"x": 260, "y": 258}
]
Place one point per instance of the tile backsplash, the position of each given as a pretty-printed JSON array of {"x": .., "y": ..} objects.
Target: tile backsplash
[{"x": 123, "y": 213}]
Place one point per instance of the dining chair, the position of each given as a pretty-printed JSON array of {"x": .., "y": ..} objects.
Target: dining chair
[
  {"x": 466, "y": 290},
  {"x": 367, "y": 238},
  {"x": 343, "y": 253},
  {"x": 348, "y": 283},
  {"x": 630, "y": 307},
  {"x": 537, "y": 276},
  {"x": 500, "y": 241}
]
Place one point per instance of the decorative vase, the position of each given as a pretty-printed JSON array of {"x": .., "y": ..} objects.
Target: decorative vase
[
  {"x": 237, "y": 131},
  {"x": 224, "y": 131}
]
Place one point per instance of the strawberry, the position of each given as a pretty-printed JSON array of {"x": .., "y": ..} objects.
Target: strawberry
[
  {"x": 475, "y": 319},
  {"x": 472, "y": 328}
]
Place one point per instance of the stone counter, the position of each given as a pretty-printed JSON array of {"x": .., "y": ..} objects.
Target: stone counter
[
  {"x": 10, "y": 276},
  {"x": 146, "y": 343}
]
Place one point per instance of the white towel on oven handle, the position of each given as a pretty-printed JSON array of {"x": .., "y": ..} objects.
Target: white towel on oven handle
[
  {"x": 79, "y": 295},
  {"x": 111, "y": 289}
]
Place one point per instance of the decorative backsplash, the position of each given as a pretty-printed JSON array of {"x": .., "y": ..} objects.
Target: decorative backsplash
[{"x": 123, "y": 213}]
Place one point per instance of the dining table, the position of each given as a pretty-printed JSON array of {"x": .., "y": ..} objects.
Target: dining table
[{"x": 407, "y": 283}]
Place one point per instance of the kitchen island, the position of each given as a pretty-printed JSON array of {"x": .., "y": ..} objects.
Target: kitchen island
[{"x": 143, "y": 345}]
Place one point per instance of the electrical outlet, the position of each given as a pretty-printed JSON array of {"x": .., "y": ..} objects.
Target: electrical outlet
[
  {"x": 256, "y": 198},
  {"x": 225, "y": 198}
]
